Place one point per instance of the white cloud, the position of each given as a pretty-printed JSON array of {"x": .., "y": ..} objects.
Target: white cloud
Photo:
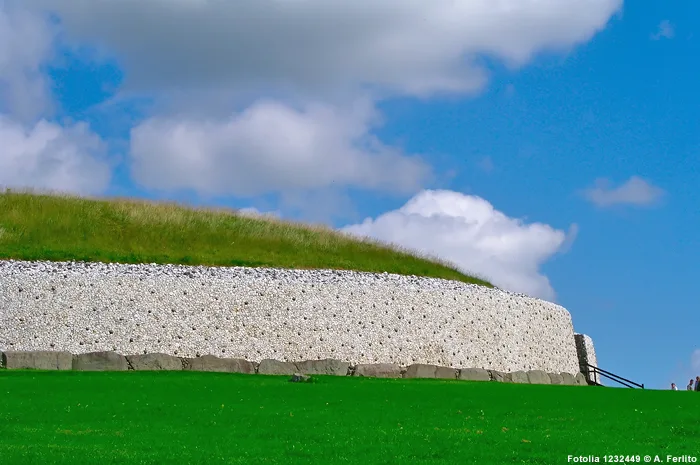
[
  {"x": 408, "y": 46},
  {"x": 48, "y": 156},
  {"x": 25, "y": 43},
  {"x": 302, "y": 51},
  {"x": 665, "y": 31},
  {"x": 271, "y": 148},
  {"x": 255, "y": 213},
  {"x": 36, "y": 153},
  {"x": 635, "y": 191},
  {"x": 468, "y": 231}
]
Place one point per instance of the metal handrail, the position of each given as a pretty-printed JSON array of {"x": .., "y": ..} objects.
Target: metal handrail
[{"x": 614, "y": 377}]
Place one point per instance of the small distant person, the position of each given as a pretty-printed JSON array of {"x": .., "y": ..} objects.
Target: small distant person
[
  {"x": 674, "y": 387},
  {"x": 697, "y": 383},
  {"x": 690, "y": 385}
]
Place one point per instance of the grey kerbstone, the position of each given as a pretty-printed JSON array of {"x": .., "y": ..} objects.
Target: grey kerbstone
[
  {"x": 214, "y": 363},
  {"x": 153, "y": 362},
  {"x": 580, "y": 380},
  {"x": 501, "y": 377},
  {"x": 326, "y": 366},
  {"x": 100, "y": 361},
  {"x": 446, "y": 373},
  {"x": 276, "y": 367},
  {"x": 538, "y": 377},
  {"x": 378, "y": 370},
  {"x": 568, "y": 379},
  {"x": 474, "y": 374},
  {"x": 37, "y": 360},
  {"x": 556, "y": 378},
  {"x": 420, "y": 370},
  {"x": 520, "y": 377}
]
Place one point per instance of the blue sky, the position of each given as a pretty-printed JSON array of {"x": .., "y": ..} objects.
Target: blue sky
[{"x": 561, "y": 161}]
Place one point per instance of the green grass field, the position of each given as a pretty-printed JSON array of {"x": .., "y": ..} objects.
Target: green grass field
[
  {"x": 60, "y": 228},
  {"x": 207, "y": 418}
]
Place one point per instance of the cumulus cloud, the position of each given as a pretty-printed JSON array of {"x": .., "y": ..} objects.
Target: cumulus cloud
[
  {"x": 48, "y": 156},
  {"x": 271, "y": 147},
  {"x": 407, "y": 46},
  {"x": 468, "y": 231},
  {"x": 255, "y": 213},
  {"x": 25, "y": 44},
  {"x": 635, "y": 191},
  {"x": 665, "y": 31},
  {"x": 301, "y": 51},
  {"x": 34, "y": 152}
]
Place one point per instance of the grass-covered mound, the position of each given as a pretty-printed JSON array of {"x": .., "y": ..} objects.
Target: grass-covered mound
[
  {"x": 61, "y": 228},
  {"x": 211, "y": 418}
]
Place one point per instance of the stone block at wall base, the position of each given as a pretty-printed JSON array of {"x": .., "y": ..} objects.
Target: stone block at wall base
[
  {"x": 538, "y": 377},
  {"x": 445, "y": 373},
  {"x": 111, "y": 361},
  {"x": 421, "y": 370},
  {"x": 100, "y": 361},
  {"x": 327, "y": 366},
  {"x": 154, "y": 362},
  {"x": 568, "y": 379},
  {"x": 500, "y": 377},
  {"x": 214, "y": 363},
  {"x": 519, "y": 377},
  {"x": 378, "y": 370},
  {"x": 580, "y": 380},
  {"x": 276, "y": 367},
  {"x": 474, "y": 374},
  {"x": 556, "y": 378},
  {"x": 40, "y": 360}
]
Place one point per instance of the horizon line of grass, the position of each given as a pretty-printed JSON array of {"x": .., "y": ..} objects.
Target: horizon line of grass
[{"x": 42, "y": 226}]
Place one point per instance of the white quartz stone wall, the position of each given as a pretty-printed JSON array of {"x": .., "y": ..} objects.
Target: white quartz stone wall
[
  {"x": 586, "y": 354},
  {"x": 289, "y": 315}
]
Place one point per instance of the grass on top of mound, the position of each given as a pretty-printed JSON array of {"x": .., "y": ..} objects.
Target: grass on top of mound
[{"x": 60, "y": 228}]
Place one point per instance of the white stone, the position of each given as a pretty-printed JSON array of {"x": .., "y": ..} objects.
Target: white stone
[{"x": 288, "y": 315}]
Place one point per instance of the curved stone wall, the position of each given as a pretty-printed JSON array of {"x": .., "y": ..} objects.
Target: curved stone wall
[{"x": 288, "y": 315}]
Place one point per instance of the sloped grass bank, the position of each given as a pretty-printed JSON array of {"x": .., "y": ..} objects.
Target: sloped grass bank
[
  {"x": 210, "y": 418},
  {"x": 61, "y": 228}
]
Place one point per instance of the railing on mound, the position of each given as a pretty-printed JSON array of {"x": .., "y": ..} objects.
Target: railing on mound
[{"x": 594, "y": 373}]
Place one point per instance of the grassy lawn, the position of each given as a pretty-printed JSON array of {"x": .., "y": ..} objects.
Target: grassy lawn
[
  {"x": 175, "y": 417},
  {"x": 60, "y": 228}
]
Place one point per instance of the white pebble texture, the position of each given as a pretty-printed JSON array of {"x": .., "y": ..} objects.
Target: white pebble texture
[
  {"x": 288, "y": 315},
  {"x": 586, "y": 355}
]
